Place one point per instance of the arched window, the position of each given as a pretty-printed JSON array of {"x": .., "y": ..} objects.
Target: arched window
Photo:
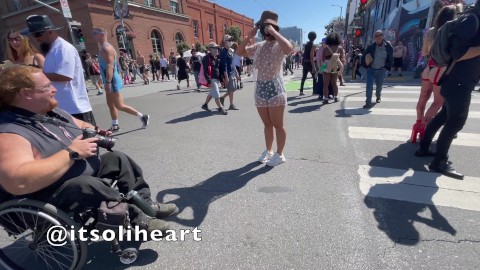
[
  {"x": 179, "y": 38},
  {"x": 156, "y": 42}
]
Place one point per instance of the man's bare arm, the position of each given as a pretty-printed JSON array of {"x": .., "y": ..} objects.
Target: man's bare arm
[{"x": 20, "y": 173}]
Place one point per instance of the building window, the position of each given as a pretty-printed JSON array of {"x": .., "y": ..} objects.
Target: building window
[
  {"x": 179, "y": 38},
  {"x": 195, "y": 28},
  {"x": 225, "y": 28},
  {"x": 174, "y": 6},
  {"x": 13, "y": 5},
  {"x": 156, "y": 42},
  {"x": 210, "y": 31},
  {"x": 150, "y": 3}
]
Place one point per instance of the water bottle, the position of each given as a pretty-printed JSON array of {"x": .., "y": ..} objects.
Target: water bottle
[{"x": 137, "y": 200}]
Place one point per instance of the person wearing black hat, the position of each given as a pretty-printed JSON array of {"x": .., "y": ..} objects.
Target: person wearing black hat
[
  {"x": 270, "y": 95},
  {"x": 63, "y": 67}
]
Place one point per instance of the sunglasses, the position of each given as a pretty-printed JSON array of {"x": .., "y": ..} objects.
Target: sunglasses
[
  {"x": 97, "y": 33},
  {"x": 15, "y": 39},
  {"x": 38, "y": 34}
]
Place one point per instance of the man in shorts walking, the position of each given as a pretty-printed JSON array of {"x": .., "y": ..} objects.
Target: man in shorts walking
[{"x": 211, "y": 60}]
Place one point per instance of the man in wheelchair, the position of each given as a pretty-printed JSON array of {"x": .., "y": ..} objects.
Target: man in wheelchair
[{"x": 45, "y": 157}]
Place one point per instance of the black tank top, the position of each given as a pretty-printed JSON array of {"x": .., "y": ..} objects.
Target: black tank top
[{"x": 308, "y": 49}]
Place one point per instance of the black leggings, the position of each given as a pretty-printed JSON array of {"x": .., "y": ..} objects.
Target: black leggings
[
  {"x": 452, "y": 117},
  {"x": 307, "y": 67}
]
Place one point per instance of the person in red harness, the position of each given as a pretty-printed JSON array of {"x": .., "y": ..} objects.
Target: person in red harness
[{"x": 430, "y": 77}]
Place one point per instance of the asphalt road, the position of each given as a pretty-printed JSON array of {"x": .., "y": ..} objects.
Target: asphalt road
[{"x": 347, "y": 197}]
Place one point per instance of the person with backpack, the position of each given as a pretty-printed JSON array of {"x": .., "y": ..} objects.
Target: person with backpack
[
  {"x": 93, "y": 71},
  {"x": 332, "y": 56},
  {"x": 462, "y": 56},
  {"x": 430, "y": 76},
  {"x": 378, "y": 58}
]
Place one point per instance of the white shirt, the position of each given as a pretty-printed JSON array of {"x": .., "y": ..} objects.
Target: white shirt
[
  {"x": 63, "y": 59},
  {"x": 163, "y": 62},
  {"x": 237, "y": 60}
]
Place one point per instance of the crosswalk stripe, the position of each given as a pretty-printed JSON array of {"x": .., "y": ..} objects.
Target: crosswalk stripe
[
  {"x": 420, "y": 187},
  {"x": 341, "y": 92},
  {"x": 394, "y": 112},
  {"x": 403, "y": 135},
  {"x": 401, "y": 100}
]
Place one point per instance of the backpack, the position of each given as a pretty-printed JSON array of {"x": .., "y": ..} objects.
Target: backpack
[
  {"x": 95, "y": 67},
  {"x": 333, "y": 64},
  {"x": 440, "y": 50},
  {"x": 201, "y": 75}
]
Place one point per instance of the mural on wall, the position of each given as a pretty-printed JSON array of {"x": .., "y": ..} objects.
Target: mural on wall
[{"x": 408, "y": 30}]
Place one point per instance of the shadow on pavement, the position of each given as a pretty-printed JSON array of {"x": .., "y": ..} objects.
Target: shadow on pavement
[
  {"x": 306, "y": 109},
  {"x": 396, "y": 217},
  {"x": 304, "y": 101},
  {"x": 200, "y": 196},
  {"x": 190, "y": 117}
]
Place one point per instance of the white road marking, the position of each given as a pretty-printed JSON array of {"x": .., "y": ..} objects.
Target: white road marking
[
  {"x": 420, "y": 187},
  {"x": 394, "y": 112},
  {"x": 401, "y": 100},
  {"x": 403, "y": 135}
]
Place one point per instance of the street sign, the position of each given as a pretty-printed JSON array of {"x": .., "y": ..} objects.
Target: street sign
[{"x": 65, "y": 9}]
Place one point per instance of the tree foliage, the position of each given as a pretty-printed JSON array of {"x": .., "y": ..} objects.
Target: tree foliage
[
  {"x": 199, "y": 47},
  {"x": 335, "y": 25},
  {"x": 236, "y": 33},
  {"x": 182, "y": 47}
]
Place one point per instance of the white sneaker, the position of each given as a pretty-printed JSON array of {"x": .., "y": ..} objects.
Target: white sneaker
[
  {"x": 265, "y": 157},
  {"x": 276, "y": 160}
]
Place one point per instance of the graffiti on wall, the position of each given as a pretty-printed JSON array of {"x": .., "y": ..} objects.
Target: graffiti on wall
[{"x": 409, "y": 31}]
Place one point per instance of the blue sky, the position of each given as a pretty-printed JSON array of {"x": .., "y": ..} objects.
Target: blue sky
[{"x": 310, "y": 15}]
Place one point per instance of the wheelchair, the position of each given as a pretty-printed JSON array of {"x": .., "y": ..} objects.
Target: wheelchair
[{"x": 24, "y": 224}]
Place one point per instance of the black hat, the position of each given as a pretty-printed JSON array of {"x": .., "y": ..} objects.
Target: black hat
[{"x": 38, "y": 23}]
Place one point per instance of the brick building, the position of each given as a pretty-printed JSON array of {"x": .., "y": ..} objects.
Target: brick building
[
  {"x": 154, "y": 26},
  {"x": 210, "y": 21}
]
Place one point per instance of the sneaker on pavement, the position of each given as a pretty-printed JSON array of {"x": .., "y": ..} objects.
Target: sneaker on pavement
[
  {"x": 205, "y": 107},
  {"x": 265, "y": 157},
  {"x": 100, "y": 93},
  {"x": 368, "y": 106},
  {"x": 114, "y": 128},
  {"x": 222, "y": 111},
  {"x": 379, "y": 100},
  {"x": 276, "y": 160},
  {"x": 145, "y": 120},
  {"x": 233, "y": 107}
]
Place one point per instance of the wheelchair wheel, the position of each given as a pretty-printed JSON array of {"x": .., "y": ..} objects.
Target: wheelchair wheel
[{"x": 24, "y": 243}]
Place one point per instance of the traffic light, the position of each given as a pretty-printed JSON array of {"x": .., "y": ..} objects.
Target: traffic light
[
  {"x": 78, "y": 34},
  {"x": 362, "y": 8},
  {"x": 358, "y": 32}
]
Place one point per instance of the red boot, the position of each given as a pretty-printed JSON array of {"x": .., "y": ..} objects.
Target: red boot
[{"x": 417, "y": 129}]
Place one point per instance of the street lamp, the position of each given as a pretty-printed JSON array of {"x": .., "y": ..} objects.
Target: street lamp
[{"x": 341, "y": 9}]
